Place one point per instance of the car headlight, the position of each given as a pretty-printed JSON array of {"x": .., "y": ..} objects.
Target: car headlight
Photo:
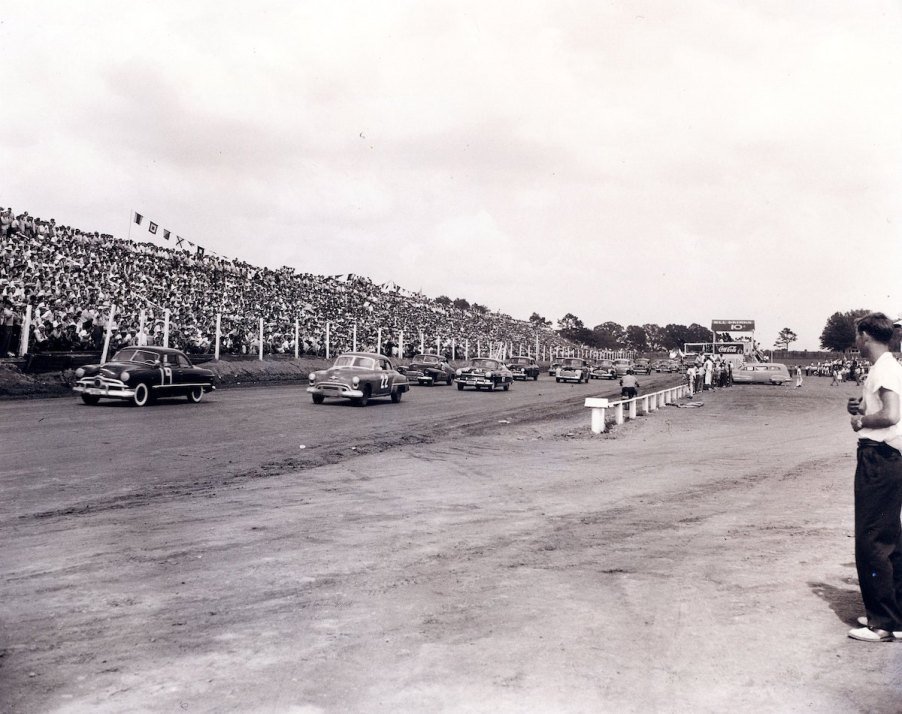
[
  {"x": 124, "y": 376},
  {"x": 79, "y": 373},
  {"x": 355, "y": 381},
  {"x": 459, "y": 372},
  {"x": 488, "y": 375},
  {"x": 312, "y": 378}
]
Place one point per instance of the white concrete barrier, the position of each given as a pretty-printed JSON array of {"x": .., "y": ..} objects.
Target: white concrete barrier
[{"x": 650, "y": 402}]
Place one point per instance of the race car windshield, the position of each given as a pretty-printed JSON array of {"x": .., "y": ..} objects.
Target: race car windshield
[
  {"x": 142, "y": 356},
  {"x": 432, "y": 359},
  {"x": 354, "y": 361},
  {"x": 485, "y": 363}
]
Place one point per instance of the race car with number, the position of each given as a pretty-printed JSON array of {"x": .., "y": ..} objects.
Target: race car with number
[
  {"x": 573, "y": 369},
  {"x": 484, "y": 373},
  {"x": 142, "y": 375},
  {"x": 428, "y": 369},
  {"x": 359, "y": 377},
  {"x": 524, "y": 368}
]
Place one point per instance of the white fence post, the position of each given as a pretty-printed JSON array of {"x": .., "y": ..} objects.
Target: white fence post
[
  {"x": 26, "y": 329},
  {"x": 261, "y": 339},
  {"x": 297, "y": 334},
  {"x": 218, "y": 335},
  {"x": 108, "y": 336},
  {"x": 401, "y": 345},
  {"x": 328, "y": 336},
  {"x": 166, "y": 327},
  {"x": 379, "y": 341},
  {"x": 354, "y": 338},
  {"x": 467, "y": 349}
]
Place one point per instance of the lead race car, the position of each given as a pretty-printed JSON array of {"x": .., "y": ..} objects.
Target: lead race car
[
  {"x": 142, "y": 375},
  {"x": 484, "y": 372},
  {"x": 358, "y": 376},
  {"x": 524, "y": 368}
]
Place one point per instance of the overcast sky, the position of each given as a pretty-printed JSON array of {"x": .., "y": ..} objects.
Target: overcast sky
[{"x": 641, "y": 162}]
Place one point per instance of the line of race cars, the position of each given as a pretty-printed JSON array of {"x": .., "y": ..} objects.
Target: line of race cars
[{"x": 141, "y": 375}]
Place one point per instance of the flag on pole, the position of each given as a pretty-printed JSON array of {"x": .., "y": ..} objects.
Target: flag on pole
[
  {"x": 152, "y": 228},
  {"x": 179, "y": 241},
  {"x": 138, "y": 218},
  {"x": 200, "y": 251},
  {"x": 165, "y": 234}
]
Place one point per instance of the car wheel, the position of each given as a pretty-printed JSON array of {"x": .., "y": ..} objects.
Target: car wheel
[
  {"x": 535, "y": 377},
  {"x": 448, "y": 380},
  {"x": 196, "y": 394},
  {"x": 506, "y": 386},
  {"x": 90, "y": 399},
  {"x": 491, "y": 387},
  {"x": 142, "y": 395},
  {"x": 318, "y": 398},
  {"x": 396, "y": 395},
  {"x": 460, "y": 387},
  {"x": 365, "y": 399},
  {"x": 557, "y": 379}
]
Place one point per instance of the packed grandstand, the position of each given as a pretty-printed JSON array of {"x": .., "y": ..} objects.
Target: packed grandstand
[{"x": 71, "y": 278}]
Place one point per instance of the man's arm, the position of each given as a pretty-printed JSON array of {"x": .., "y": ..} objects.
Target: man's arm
[{"x": 887, "y": 416}]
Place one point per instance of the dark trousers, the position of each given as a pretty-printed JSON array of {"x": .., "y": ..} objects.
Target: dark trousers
[{"x": 878, "y": 533}]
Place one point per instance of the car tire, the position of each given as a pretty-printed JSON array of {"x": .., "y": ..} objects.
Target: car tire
[
  {"x": 141, "y": 397},
  {"x": 557, "y": 379},
  {"x": 448, "y": 380},
  {"x": 365, "y": 399},
  {"x": 491, "y": 387},
  {"x": 535, "y": 377},
  {"x": 196, "y": 394},
  {"x": 318, "y": 398},
  {"x": 460, "y": 387},
  {"x": 506, "y": 386},
  {"x": 90, "y": 399},
  {"x": 396, "y": 395}
]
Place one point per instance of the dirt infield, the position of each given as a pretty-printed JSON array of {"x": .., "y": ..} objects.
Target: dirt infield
[{"x": 696, "y": 560}]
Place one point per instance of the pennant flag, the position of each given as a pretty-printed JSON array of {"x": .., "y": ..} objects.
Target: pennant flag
[
  {"x": 179, "y": 242},
  {"x": 165, "y": 234},
  {"x": 190, "y": 243},
  {"x": 138, "y": 218},
  {"x": 200, "y": 251},
  {"x": 152, "y": 228}
]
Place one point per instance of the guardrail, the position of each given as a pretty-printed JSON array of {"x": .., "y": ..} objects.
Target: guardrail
[{"x": 650, "y": 402}]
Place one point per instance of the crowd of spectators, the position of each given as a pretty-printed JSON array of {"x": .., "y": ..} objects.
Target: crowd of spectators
[
  {"x": 839, "y": 370},
  {"x": 72, "y": 278}
]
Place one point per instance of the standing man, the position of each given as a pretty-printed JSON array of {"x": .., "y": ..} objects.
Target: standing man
[{"x": 878, "y": 484}]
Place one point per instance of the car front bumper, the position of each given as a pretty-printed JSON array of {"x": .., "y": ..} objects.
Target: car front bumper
[
  {"x": 474, "y": 381},
  {"x": 335, "y": 390}
]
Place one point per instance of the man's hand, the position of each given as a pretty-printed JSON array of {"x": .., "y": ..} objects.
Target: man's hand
[{"x": 854, "y": 405}]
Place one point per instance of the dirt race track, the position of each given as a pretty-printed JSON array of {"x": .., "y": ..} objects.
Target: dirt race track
[{"x": 457, "y": 552}]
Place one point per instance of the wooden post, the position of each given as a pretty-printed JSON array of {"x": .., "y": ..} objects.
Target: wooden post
[
  {"x": 261, "y": 339},
  {"x": 166, "y": 327},
  {"x": 598, "y": 406},
  {"x": 379, "y": 341},
  {"x": 467, "y": 349},
  {"x": 297, "y": 333},
  {"x": 328, "y": 330},
  {"x": 142, "y": 335},
  {"x": 354, "y": 337},
  {"x": 401, "y": 345},
  {"x": 218, "y": 335}
]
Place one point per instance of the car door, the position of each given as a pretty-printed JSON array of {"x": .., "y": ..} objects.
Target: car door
[{"x": 385, "y": 379}]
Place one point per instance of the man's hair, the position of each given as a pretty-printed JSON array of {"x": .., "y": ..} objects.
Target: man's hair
[{"x": 877, "y": 325}]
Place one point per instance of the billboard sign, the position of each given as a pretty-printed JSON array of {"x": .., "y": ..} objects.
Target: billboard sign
[{"x": 732, "y": 325}]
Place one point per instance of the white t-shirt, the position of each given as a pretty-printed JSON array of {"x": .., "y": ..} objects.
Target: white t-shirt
[{"x": 887, "y": 373}]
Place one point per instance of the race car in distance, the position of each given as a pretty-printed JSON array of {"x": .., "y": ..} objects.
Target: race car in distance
[
  {"x": 603, "y": 369},
  {"x": 552, "y": 368},
  {"x": 642, "y": 366},
  {"x": 573, "y": 369},
  {"x": 428, "y": 369},
  {"x": 358, "y": 376},
  {"x": 761, "y": 373},
  {"x": 142, "y": 375},
  {"x": 484, "y": 372},
  {"x": 524, "y": 368},
  {"x": 621, "y": 365}
]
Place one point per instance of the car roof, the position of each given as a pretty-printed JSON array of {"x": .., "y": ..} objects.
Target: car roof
[
  {"x": 150, "y": 348},
  {"x": 363, "y": 354}
]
